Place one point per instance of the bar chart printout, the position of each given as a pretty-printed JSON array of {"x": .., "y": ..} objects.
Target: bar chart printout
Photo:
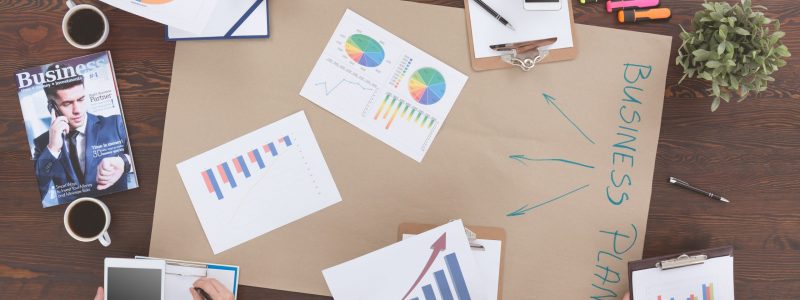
[
  {"x": 711, "y": 280},
  {"x": 707, "y": 293},
  {"x": 258, "y": 182},
  {"x": 437, "y": 264}
]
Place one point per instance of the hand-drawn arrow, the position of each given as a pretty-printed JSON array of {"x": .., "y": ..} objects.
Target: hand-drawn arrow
[
  {"x": 525, "y": 209},
  {"x": 550, "y": 100},
  {"x": 438, "y": 246},
  {"x": 522, "y": 158}
]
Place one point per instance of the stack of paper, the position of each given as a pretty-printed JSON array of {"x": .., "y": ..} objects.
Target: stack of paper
[{"x": 203, "y": 19}]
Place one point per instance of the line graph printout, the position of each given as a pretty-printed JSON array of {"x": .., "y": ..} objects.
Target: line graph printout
[
  {"x": 383, "y": 85},
  {"x": 258, "y": 182},
  {"x": 437, "y": 264}
]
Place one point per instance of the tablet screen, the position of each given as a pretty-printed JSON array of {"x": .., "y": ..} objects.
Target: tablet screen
[{"x": 133, "y": 284}]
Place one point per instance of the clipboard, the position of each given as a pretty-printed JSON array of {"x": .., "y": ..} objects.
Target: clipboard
[
  {"x": 180, "y": 274},
  {"x": 492, "y": 63},
  {"x": 487, "y": 233},
  {"x": 676, "y": 261}
]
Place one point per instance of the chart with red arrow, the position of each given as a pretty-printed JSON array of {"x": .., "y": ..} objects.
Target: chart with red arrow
[{"x": 437, "y": 264}]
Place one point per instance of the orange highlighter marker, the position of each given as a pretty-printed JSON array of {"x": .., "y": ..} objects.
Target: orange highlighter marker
[{"x": 632, "y": 16}]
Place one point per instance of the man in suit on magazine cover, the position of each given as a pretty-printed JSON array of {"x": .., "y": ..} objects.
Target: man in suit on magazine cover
[{"x": 82, "y": 154}]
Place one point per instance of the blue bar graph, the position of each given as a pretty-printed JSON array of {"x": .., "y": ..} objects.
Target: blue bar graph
[
  {"x": 242, "y": 165},
  {"x": 272, "y": 149},
  {"x": 257, "y": 155},
  {"x": 444, "y": 287},
  {"x": 458, "y": 278},
  {"x": 287, "y": 140},
  {"x": 229, "y": 174},
  {"x": 213, "y": 181},
  {"x": 428, "y": 291}
]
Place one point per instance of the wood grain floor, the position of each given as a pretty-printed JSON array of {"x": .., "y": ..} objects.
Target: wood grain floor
[{"x": 749, "y": 152}]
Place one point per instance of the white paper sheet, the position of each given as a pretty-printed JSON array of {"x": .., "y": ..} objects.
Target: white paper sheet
[
  {"x": 383, "y": 85},
  {"x": 189, "y": 15},
  {"x": 488, "y": 261},
  {"x": 283, "y": 178},
  {"x": 715, "y": 275},
  {"x": 176, "y": 287},
  {"x": 399, "y": 270},
  {"x": 530, "y": 25},
  {"x": 231, "y": 19}
]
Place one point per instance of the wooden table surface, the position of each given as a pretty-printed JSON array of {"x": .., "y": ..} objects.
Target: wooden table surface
[{"x": 748, "y": 151}]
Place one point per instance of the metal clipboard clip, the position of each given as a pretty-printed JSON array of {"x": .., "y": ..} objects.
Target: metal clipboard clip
[
  {"x": 472, "y": 238},
  {"x": 524, "y": 55},
  {"x": 681, "y": 261}
]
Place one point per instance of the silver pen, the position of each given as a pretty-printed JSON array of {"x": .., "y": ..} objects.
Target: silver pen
[{"x": 686, "y": 185}]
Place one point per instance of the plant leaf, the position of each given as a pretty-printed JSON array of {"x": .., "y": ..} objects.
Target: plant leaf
[
  {"x": 713, "y": 64},
  {"x": 715, "y": 105},
  {"x": 701, "y": 54},
  {"x": 741, "y": 31}
]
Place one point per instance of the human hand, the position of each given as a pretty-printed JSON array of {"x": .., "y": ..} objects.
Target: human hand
[
  {"x": 627, "y": 296},
  {"x": 58, "y": 126},
  {"x": 212, "y": 287},
  {"x": 109, "y": 171},
  {"x": 100, "y": 294}
]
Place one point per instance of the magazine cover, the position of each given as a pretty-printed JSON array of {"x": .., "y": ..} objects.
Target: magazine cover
[{"x": 76, "y": 131}]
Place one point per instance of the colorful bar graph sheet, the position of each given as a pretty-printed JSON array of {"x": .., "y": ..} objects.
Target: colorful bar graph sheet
[
  {"x": 383, "y": 85},
  {"x": 258, "y": 182},
  {"x": 712, "y": 280},
  {"x": 437, "y": 264}
]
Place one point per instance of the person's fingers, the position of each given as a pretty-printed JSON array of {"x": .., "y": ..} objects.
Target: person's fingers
[
  {"x": 627, "y": 296},
  {"x": 219, "y": 286},
  {"x": 100, "y": 294},
  {"x": 206, "y": 285},
  {"x": 195, "y": 294}
]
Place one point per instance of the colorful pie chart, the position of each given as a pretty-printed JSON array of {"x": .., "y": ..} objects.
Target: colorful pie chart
[
  {"x": 427, "y": 86},
  {"x": 364, "y": 50}
]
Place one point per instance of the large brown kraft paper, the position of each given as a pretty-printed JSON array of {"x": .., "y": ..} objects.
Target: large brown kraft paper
[{"x": 575, "y": 247}]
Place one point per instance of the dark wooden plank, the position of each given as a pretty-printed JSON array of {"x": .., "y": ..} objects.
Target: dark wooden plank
[{"x": 749, "y": 152}]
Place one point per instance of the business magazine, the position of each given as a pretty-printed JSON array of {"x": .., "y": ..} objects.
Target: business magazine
[{"x": 76, "y": 130}]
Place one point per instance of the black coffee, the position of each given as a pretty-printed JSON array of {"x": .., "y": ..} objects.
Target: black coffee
[
  {"x": 87, "y": 219},
  {"x": 85, "y": 27}
]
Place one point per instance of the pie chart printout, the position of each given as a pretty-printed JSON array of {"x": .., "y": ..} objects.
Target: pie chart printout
[
  {"x": 364, "y": 50},
  {"x": 427, "y": 86}
]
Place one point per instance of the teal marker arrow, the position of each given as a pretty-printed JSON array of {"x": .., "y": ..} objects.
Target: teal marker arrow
[
  {"x": 526, "y": 208},
  {"x": 522, "y": 158},
  {"x": 550, "y": 100}
]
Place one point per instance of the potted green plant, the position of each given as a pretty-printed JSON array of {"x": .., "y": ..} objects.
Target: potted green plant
[{"x": 735, "y": 47}]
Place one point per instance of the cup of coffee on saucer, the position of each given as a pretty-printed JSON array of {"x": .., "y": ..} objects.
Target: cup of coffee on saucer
[
  {"x": 84, "y": 26},
  {"x": 87, "y": 220}
]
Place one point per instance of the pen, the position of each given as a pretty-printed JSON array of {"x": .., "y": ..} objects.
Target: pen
[
  {"x": 203, "y": 294},
  {"x": 685, "y": 184},
  {"x": 495, "y": 14}
]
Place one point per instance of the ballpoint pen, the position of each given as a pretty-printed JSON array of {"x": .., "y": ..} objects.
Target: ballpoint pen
[
  {"x": 686, "y": 185},
  {"x": 495, "y": 14}
]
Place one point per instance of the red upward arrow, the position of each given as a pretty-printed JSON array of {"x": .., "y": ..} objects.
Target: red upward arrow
[{"x": 438, "y": 246}]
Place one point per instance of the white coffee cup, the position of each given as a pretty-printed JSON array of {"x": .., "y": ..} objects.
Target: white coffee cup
[
  {"x": 73, "y": 8},
  {"x": 96, "y": 225}
]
